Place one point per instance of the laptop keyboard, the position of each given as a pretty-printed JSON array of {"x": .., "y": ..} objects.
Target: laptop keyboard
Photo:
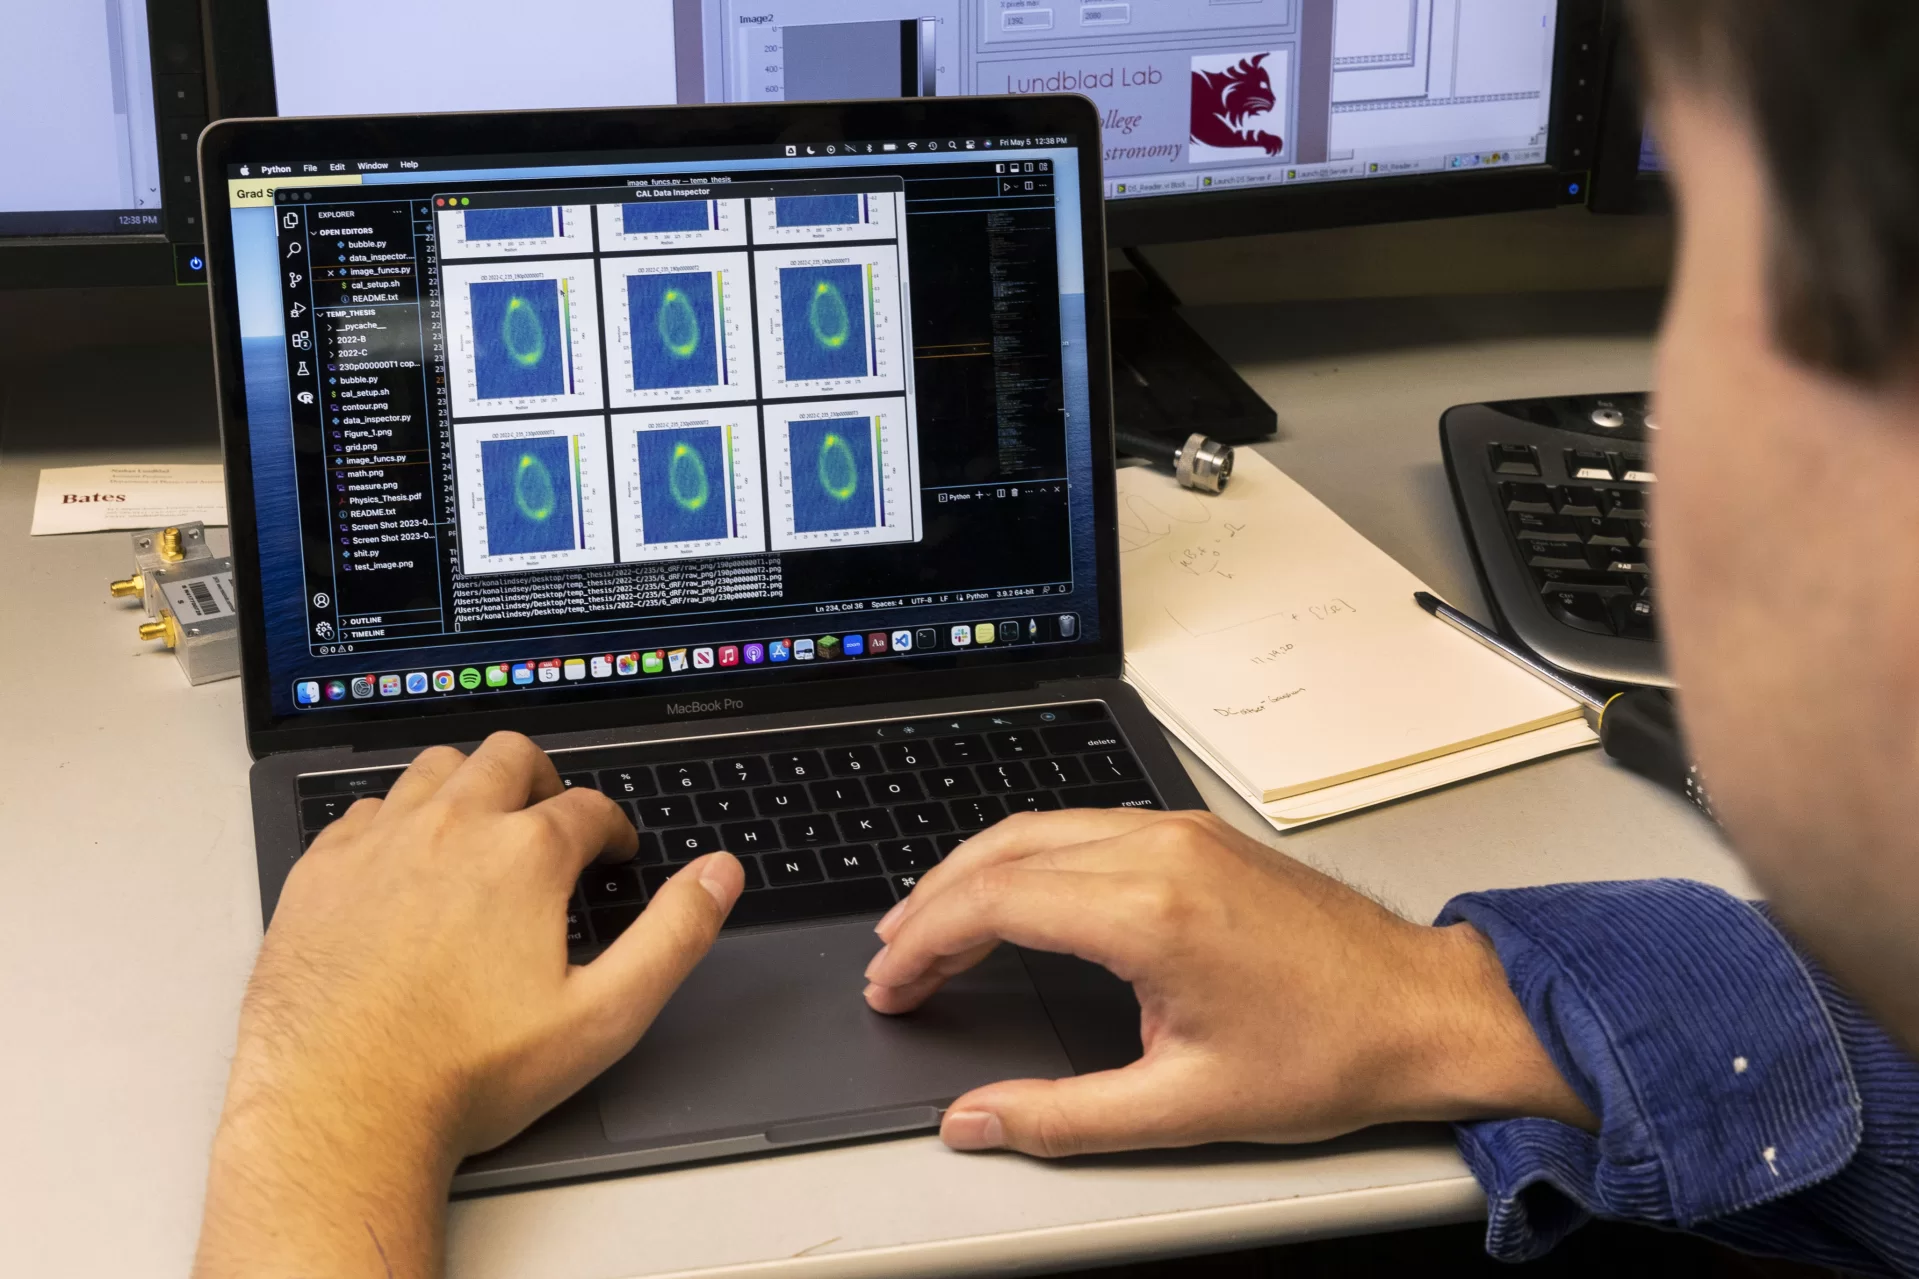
[{"x": 827, "y": 821}]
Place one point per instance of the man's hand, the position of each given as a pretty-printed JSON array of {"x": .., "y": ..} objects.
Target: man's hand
[
  {"x": 1276, "y": 1004},
  {"x": 413, "y": 1003}
]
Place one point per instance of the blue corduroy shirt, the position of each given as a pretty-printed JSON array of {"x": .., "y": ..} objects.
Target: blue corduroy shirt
[{"x": 1741, "y": 1094}]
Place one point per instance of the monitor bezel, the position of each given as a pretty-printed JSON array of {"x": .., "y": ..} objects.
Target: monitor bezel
[{"x": 835, "y": 686}]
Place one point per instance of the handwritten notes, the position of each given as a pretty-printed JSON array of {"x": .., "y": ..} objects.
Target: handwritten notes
[{"x": 1268, "y": 633}]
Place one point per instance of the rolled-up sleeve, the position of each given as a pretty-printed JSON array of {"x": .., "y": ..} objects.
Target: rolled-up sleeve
[{"x": 1741, "y": 1095}]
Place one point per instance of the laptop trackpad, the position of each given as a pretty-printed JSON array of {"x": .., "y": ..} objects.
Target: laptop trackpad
[{"x": 772, "y": 1029}]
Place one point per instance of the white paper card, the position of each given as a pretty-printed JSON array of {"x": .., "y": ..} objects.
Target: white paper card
[{"x": 87, "y": 499}]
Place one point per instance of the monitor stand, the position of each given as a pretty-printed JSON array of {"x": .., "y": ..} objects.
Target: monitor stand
[{"x": 1166, "y": 380}]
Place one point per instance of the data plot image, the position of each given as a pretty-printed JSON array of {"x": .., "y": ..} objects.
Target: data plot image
[
  {"x": 641, "y": 225},
  {"x": 532, "y": 494},
  {"x": 520, "y": 231},
  {"x": 677, "y": 330},
  {"x": 823, "y": 319},
  {"x": 843, "y": 473},
  {"x": 816, "y": 210},
  {"x": 834, "y": 483},
  {"x": 831, "y": 321},
  {"x": 529, "y": 489},
  {"x": 826, "y": 219},
  {"x": 522, "y": 338},
  {"x": 689, "y": 483}
]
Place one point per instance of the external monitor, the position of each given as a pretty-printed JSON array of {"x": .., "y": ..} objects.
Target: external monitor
[
  {"x": 1217, "y": 117},
  {"x": 101, "y": 102}
]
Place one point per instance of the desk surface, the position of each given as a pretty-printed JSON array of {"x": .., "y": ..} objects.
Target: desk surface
[{"x": 129, "y": 915}]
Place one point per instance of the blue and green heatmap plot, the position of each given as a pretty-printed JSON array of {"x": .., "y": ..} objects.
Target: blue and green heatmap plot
[
  {"x": 651, "y": 217},
  {"x": 832, "y": 474},
  {"x": 529, "y": 495},
  {"x": 519, "y": 340},
  {"x": 683, "y": 484},
  {"x": 816, "y": 210},
  {"x": 823, "y": 321},
  {"x": 510, "y": 224},
  {"x": 675, "y": 341}
]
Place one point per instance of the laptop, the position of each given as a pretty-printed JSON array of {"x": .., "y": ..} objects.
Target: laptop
[{"x": 757, "y": 461}]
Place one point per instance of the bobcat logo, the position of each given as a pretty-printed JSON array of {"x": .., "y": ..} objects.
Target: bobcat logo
[{"x": 1224, "y": 100}]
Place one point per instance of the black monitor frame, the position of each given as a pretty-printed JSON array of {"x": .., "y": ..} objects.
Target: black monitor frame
[
  {"x": 242, "y": 55},
  {"x": 1618, "y": 186},
  {"x": 177, "y": 46}
]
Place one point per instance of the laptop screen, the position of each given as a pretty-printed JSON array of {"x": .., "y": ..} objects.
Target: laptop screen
[{"x": 538, "y": 428}]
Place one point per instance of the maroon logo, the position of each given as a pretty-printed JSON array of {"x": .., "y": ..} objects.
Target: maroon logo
[{"x": 1224, "y": 100}]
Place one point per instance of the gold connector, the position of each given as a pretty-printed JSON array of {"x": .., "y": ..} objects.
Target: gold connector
[
  {"x": 135, "y": 585},
  {"x": 170, "y": 546},
  {"x": 163, "y": 629}
]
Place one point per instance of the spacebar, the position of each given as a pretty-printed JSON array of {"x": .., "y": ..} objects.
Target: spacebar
[{"x": 810, "y": 901}]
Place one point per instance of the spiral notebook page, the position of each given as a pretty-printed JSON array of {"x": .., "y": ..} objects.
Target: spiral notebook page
[{"x": 1266, "y": 630}]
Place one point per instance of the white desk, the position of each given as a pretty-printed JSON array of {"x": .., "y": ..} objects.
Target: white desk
[{"x": 129, "y": 915}]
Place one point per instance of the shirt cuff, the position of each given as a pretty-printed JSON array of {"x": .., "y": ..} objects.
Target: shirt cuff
[{"x": 1690, "y": 1027}]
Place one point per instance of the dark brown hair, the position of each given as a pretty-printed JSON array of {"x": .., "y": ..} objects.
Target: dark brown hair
[{"x": 1832, "y": 89}]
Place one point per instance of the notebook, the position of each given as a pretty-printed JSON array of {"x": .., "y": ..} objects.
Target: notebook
[{"x": 1286, "y": 651}]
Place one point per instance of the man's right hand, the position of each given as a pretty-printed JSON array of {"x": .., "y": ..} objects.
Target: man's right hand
[{"x": 1276, "y": 1004}]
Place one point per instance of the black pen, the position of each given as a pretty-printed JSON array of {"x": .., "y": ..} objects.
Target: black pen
[{"x": 1639, "y": 727}]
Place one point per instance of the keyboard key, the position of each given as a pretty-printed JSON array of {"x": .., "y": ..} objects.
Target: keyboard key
[
  {"x": 579, "y": 781},
  {"x": 1004, "y": 777},
  {"x": 651, "y": 853},
  {"x": 1583, "y": 610},
  {"x": 576, "y": 930},
  {"x": 1543, "y": 528},
  {"x": 317, "y": 814},
  {"x": 853, "y": 761},
  {"x": 895, "y": 788},
  {"x": 905, "y": 884},
  {"x": 901, "y": 756},
  {"x": 902, "y": 855},
  {"x": 864, "y": 824},
  {"x": 1626, "y": 503},
  {"x": 684, "y": 845},
  {"x": 1553, "y": 555},
  {"x": 1034, "y": 801},
  {"x": 799, "y": 831},
  {"x": 724, "y": 805},
  {"x": 667, "y": 810},
  {"x": 751, "y": 865},
  {"x": 781, "y": 801},
  {"x": 797, "y": 766},
  {"x": 850, "y": 861},
  {"x": 628, "y": 783},
  {"x": 811, "y": 901},
  {"x": 749, "y": 837},
  {"x": 1527, "y": 497},
  {"x": 1055, "y": 773},
  {"x": 1019, "y": 744},
  {"x": 922, "y": 819},
  {"x": 845, "y": 792},
  {"x": 610, "y": 921},
  {"x": 949, "y": 783},
  {"x": 372, "y": 781},
  {"x": 1578, "y": 501},
  {"x": 1112, "y": 766},
  {"x": 1585, "y": 464},
  {"x": 977, "y": 813},
  {"x": 1111, "y": 795},
  {"x": 611, "y": 885},
  {"x": 677, "y": 779},
  {"x": 1513, "y": 459},
  {"x": 946, "y": 844},
  {"x": 1076, "y": 739},
  {"x": 1634, "y": 617},
  {"x": 653, "y": 878},
  {"x": 967, "y": 749},
  {"x": 742, "y": 770},
  {"x": 795, "y": 866}
]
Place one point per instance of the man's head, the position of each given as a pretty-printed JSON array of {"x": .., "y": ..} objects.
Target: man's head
[{"x": 1787, "y": 513}]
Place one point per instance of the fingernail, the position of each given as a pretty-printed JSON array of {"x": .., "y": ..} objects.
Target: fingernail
[
  {"x": 715, "y": 880},
  {"x": 890, "y": 918},
  {"x": 878, "y": 959},
  {"x": 872, "y": 988},
  {"x": 972, "y": 1130}
]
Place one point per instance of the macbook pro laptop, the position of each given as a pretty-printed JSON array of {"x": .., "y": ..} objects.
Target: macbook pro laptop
[{"x": 757, "y": 461}]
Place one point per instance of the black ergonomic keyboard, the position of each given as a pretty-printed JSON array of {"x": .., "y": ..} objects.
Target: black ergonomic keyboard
[
  {"x": 1553, "y": 497},
  {"x": 827, "y": 821}
]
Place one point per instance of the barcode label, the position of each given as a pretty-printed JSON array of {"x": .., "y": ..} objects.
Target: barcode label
[{"x": 199, "y": 598}]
